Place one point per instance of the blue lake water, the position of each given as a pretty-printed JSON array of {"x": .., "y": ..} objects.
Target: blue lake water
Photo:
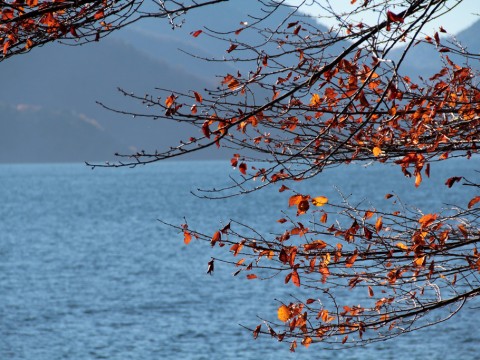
[{"x": 87, "y": 271}]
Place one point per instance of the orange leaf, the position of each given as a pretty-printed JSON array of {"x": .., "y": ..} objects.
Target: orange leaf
[
  {"x": 198, "y": 97},
  {"x": 370, "y": 291},
  {"x": 323, "y": 219},
  {"x": 169, "y": 101},
  {"x": 283, "y": 313},
  {"x": 418, "y": 179},
  {"x": 319, "y": 200},
  {"x": 187, "y": 237},
  {"x": 427, "y": 220},
  {"x": 351, "y": 260},
  {"x": 419, "y": 261},
  {"x": 236, "y": 248},
  {"x": 251, "y": 276},
  {"x": 401, "y": 246},
  {"x": 315, "y": 245},
  {"x": 307, "y": 341},
  {"x": 216, "y": 237},
  {"x": 99, "y": 14},
  {"x": 464, "y": 231},
  {"x": 379, "y": 224},
  {"x": 368, "y": 214},
  {"x": 472, "y": 202},
  {"x": 295, "y": 278},
  {"x": 376, "y": 151},
  {"x": 294, "y": 200},
  {"x": 32, "y": 3}
]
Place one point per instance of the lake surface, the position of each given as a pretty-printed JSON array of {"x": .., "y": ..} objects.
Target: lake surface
[{"x": 87, "y": 271}]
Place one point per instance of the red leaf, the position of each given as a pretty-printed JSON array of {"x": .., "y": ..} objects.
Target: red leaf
[
  {"x": 231, "y": 48},
  {"x": 251, "y": 276},
  {"x": 206, "y": 129},
  {"x": 257, "y": 331},
  {"x": 453, "y": 180},
  {"x": 394, "y": 17},
  {"x": 243, "y": 168},
  {"x": 196, "y": 33}
]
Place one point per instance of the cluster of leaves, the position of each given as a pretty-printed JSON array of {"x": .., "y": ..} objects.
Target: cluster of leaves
[
  {"x": 330, "y": 98},
  {"x": 27, "y": 24},
  {"x": 314, "y": 99}
]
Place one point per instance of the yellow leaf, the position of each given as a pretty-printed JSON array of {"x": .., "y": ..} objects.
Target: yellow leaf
[
  {"x": 315, "y": 100},
  {"x": 319, "y": 201},
  {"x": 376, "y": 151},
  {"x": 283, "y": 313}
]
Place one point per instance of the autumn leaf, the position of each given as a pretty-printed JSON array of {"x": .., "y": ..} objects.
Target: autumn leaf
[
  {"x": 319, "y": 200},
  {"x": 324, "y": 218},
  {"x": 302, "y": 207},
  {"x": 401, "y": 246},
  {"x": 350, "y": 260},
  {"x": 198, "y": 97},
  {"x": 427, "y": 220},
  {"x": 257, "y": 331},
  {"x": 251, "y": 276},
  {"x": 394, "y": 17},
  {"x": 453, "y": 180},
  {"x": 295, "y": 278},
  {"x": 187, "y": 237},
  {"x": 215, "y": 238},
  {"x": 243, "y": 168},
  {"x": 379, "y": 224},
  {"x": 472, "y": 202},
  {"x": 315, "y": 100},
  {"x": 370, "y": 291},
  {"x": 231, "y": 48},
  {"x": 236, "y": 248},
  {"x": 376, "y": 151},
  {"x": 196, "y": 33},
  {"x": 283, "y": 313},
  {"x": 294, "y": 200},
  {"x": 307, "y": 341},
  {"x": 169, "y": 101},
  {"x": 98, "y": 15},
  {"x": 206, "y": 129},
  {"x": 315, "y": 245}
]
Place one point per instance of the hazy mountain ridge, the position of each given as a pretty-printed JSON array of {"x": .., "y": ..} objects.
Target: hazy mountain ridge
[{"x": 67, "y": 81}]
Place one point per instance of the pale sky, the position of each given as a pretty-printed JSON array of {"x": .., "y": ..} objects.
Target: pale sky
[{"x": 457, "y": 20}]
